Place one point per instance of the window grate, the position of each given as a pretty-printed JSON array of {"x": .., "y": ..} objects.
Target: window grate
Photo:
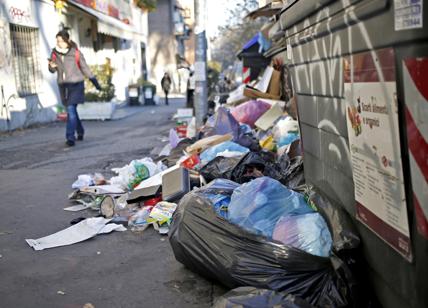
[{"x": 25, "y": 47}]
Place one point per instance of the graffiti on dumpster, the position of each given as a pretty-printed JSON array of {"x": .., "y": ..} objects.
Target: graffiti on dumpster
[{"x": 320, "y": 74}]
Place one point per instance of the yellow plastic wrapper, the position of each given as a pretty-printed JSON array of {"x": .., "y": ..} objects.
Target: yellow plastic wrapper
[{"x": 268, "y": 143}]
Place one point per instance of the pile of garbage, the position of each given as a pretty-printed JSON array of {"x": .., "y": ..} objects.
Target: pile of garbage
[{"x": 233, "y": 200}]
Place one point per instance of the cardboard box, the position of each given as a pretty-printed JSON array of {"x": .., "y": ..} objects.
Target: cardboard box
[{"x": 267, "y": 120}]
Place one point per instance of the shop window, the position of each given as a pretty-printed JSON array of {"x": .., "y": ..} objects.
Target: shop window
[{"x": 25, "y": 47}]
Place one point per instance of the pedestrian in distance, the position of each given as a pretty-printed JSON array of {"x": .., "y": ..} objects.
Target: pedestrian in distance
[
  {"x": 190, "y": 90},
  {"x": 166, "y": 86},
  {"x": 71, "y": 68}
]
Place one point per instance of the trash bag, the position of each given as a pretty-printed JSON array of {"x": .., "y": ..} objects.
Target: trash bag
[
  {"x": 250, "y": 111},
  {"x": 250, "y": 297},
  {"x": 212, "y": 152},
  {"x": 174, "y": 139},
  {"x": 258, "y": 205},
  {"x": 343, "y": 231},
  {"x": 177, "y": 152},
  {"x": 131, "y": 175},
  {"x": 219, "y": 192},
  {"x": 220, "y": 250},
  {"x": 219, "y": 167},
  {"x": 291, "y": 170},
  {"x": 223, "y": 123},
  {"x": 308, "y": 232},
  {"x": 254, "y": 165},
  {"x": 284, "y": 127},
  {"x": 288, "y": 139}
]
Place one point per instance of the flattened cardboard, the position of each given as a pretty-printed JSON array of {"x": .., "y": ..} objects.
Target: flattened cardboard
[
  {"x": 205, "y": 143},
  {"x": 142, "y": 194},
  {"x": 254, "y": 93},
  {"x": 267, "y": 120},
  {"x": 102, "y": 189},
  {"x": 274, "y": 85}
]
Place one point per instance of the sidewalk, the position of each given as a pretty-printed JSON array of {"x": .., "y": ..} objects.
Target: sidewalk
[{"x": 124, "y": 110}]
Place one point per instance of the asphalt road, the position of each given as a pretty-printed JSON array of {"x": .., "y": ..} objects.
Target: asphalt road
[{"x": 122, "y": 269}]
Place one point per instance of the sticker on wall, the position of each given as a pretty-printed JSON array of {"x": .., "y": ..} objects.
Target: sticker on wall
[
  {"x": 200, "y": 71},
  {"x": 408, "y": 14},
  {"x": 374, "y": 141}
]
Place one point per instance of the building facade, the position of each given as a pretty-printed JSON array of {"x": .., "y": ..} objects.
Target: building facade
[
  {"x": 105, "y": 30},
  {"x": 171, "y": 42}
]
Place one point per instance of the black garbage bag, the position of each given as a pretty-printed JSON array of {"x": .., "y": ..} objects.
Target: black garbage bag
[
  {"x": 291, "y": 170},
  {"x": 219, "y": 168},
  {"x": 177, "y": 152},
  {"x": 256, "y": 164},
  {"x": 342, "y": 229},
  {"x": 217, "y": 249},
  {"x": 250, "y": 297}
]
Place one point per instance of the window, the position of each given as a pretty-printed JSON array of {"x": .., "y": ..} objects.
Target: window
[{"x": 25, "y": 47}]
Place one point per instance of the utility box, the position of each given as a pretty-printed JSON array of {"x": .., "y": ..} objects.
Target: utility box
[{"x": 360, "y": 74}]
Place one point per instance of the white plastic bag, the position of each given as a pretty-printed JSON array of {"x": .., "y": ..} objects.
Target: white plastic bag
[
  {"x": 83, "y": 180},
  {"x": 284, "y": 127},
  {"x": 127, "y": 174},
  {"x": 191, "y": 129}
]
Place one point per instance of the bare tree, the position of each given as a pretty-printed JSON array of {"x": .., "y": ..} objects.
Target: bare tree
[{"x": 235, "y": 34}]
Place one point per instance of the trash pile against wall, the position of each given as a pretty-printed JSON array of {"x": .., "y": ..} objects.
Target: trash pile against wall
[{"x": 232, "y": 198}]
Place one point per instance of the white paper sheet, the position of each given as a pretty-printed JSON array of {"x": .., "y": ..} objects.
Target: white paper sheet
[{"x": 80, "y": 232}]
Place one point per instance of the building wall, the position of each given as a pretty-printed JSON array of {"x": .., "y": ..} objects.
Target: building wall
[
  {"x": 162, "y": 46},
  {"x": 41, "y": 14},
  {"x": 38, "y": 108},
  {"x": 126, "y": 60},
  {"x": 189, "y": 6}
]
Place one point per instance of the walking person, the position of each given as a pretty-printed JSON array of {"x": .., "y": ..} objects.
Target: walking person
[
  {"x": 190, "y": 90},
  {"x": 166, "y": 86},
  {"x": 71, "y": 68}
]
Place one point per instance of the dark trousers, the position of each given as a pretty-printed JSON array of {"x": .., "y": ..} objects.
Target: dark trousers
[
  {"x": 190, "y": 98},
  {"x": 166, "y": 97},
  {"x": 73, "y": 123}
]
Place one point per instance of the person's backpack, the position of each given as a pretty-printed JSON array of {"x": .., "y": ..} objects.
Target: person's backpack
[{"x": 76, "y": 57}]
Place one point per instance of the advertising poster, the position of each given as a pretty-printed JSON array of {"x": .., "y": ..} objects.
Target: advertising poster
[{"x": 374, "y": 141}]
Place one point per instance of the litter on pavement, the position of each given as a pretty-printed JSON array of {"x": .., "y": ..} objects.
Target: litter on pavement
[
  {"x": 80, "y": 232},
  {"x": 233, "y": 199}
]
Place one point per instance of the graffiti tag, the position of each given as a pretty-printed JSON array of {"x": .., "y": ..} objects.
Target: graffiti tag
[{"x": 18, "y": 15}]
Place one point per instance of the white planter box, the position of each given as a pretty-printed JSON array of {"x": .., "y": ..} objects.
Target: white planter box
[{"x": 96, "y": 110}]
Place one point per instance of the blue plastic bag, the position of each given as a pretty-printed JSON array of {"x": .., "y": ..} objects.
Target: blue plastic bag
[
  {"x": 258, "y": 205},
  {"x": 307, "y": 232},
  {"x": 218, "y": 192},
  {"x": 288, "y": 139},
  {"x": 211, "y": 153}
]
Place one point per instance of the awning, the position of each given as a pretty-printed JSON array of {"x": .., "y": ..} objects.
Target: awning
[
  {"x": 254, "y": 40},
  {"x": 268, "y": 10},
  {"x": 109, "y": 25}
]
